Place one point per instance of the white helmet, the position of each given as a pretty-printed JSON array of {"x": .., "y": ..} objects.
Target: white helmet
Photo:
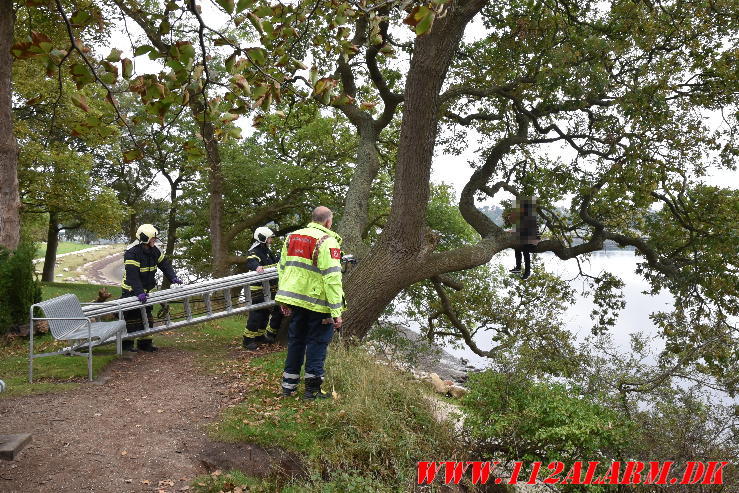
[
  {"x": 262, "y": 233},
  {"x": 146, "y": 232}
]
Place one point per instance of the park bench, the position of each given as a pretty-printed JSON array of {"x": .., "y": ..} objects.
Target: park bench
[{"x": 67, "y": 322}]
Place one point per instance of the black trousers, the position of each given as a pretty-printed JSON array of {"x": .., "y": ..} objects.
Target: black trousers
[
  {"x": 256, "y": 324},
  {"x": 525, "y": 251},
  {"x": 134, "y": 322}
]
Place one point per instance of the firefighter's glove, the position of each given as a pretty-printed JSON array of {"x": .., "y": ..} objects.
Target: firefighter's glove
[{"x": 142, "y": 297}]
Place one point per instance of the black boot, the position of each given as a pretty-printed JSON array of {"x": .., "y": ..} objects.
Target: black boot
[
  {"x": 128, "y": 346},
  {"x": 270, "y": 337},
  {"x": 313, "y": 389},
  {"x": 146, "y": 345},
  {"x": 249, "y": 343}
]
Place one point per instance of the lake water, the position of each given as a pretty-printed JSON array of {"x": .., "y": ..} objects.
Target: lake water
[{"x": 633, "y": 318}]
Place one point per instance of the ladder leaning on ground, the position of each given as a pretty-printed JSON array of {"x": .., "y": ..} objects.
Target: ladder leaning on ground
[{"x": 201, "y": 301}]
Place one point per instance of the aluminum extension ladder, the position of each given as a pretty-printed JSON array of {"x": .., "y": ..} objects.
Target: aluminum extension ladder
[{"x": 215, "y": 295}]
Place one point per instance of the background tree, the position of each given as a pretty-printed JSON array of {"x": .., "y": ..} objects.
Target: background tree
[
  {"x": 55, "y": 165},
  {"x": 9, "y": 196},
  {"x": 277, "y": 175},
  {"x": 615, "y": 86}
]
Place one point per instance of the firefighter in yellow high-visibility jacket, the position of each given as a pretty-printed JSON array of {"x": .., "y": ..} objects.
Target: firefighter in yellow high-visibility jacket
[{"x": 310, "y": 289}]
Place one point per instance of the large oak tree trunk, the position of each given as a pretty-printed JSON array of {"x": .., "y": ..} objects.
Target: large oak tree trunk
[
  {"x": 9, "y": 197},
  {"x": 355, "y": 217},
  {"x": 399, "y": 258},
  {"x": 52, "y": 245}
]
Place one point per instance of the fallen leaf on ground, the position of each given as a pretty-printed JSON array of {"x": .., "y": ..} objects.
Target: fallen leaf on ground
[{"x": 145, "y": 481}]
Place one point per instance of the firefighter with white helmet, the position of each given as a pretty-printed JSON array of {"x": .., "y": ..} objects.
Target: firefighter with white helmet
[
  {"x": 262, "y": 325},
  {"x": 140, "y": 263}
]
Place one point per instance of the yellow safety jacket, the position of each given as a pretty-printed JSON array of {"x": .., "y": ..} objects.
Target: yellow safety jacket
[{"x": 310, "y": 271}]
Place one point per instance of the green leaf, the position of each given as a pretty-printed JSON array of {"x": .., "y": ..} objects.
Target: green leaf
[
  {"x": 132, "y": 155},
  {"x": 266, "y": 102},
  {"x": 229, "y": 63},
  {"x": 187, "y": 52},
  {"x": 109, "y": 67},
  {"x": 244, "y": 4},
  {"x": 80, "y": 101},
  {"x": 108, "y": 78},
  {"x": 165, "y": 27},
  {"x": 224, "y": 42},
  {"x": 114, "y": 56},
  {"x": 257, "y": 55},
  {"x": 424, "y": 25},
  {"x": 80, "y": 18},
  {"x": 263, "y": 11},
  {"x": 256, "y": 22},
  {"x": 79, "y": 69},
  {"x": 421, "y": 19},
  {"x": 227, "y": 5},
  {"x": 57, "y": 55},
  {"x": 142, "y": 50},
  {"x": 127, "y": 68}
]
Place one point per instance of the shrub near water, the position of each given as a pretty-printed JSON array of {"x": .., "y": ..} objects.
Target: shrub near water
[{"x": 529, "y": 421}]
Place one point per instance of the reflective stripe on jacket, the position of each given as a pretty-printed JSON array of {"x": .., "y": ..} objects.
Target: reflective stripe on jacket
[
  {"x": 315, "y": 285},
  {"x": 260, "y": 255},
  {"x": 140, "y": 268}
]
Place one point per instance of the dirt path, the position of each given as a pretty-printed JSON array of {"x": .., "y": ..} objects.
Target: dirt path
[
  {"x": 106, "y": 271},
  {"x": 141, "y": 427}
]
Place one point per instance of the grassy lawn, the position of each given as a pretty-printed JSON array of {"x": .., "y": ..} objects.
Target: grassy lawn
[
  {"x": 52, "y": 372},
  {"x": 72, "y": 262},
  {"x": 368, "y": 438},
  {"x": 64, "y": 247}
]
